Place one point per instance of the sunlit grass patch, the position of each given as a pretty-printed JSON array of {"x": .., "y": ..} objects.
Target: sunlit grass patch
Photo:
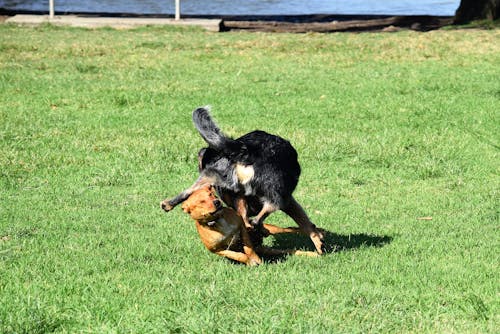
[{"x": 398, "y": 141}]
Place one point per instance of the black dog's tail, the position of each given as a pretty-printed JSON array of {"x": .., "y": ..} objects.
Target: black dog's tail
[{"x": 213, "y": 135}]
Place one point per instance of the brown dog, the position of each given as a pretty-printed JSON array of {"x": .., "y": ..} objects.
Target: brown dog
[{"x": 223, "y": 231}]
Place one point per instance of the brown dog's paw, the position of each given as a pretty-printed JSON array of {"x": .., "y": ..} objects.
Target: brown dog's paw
[
  {"x": 306, "y": 253},
  {"x": 165, "y": 205},
  {"x": 254, "y": 261}
]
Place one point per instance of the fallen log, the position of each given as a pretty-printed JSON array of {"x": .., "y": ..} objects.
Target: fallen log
[{"x": 423, "y": 23}]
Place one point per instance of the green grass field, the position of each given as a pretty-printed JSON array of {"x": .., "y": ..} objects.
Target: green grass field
[{"x": 398, "y": 138}]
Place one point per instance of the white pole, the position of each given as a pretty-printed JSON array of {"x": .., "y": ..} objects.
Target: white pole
[
  {"x": 177, "y": 9},
  {"x": 51, "y": 9}
]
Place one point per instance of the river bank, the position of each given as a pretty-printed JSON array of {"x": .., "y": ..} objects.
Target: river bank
[{"x": 277, "y": 23}]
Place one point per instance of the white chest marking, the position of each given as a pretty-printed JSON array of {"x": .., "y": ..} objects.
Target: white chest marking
[{"x": 244, "y": 173}]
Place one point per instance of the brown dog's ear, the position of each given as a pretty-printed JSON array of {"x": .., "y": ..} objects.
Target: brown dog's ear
[{"x": 185, "y": 208}]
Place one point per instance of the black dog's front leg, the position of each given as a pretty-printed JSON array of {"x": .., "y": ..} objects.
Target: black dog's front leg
[{"x": 169, "y": 204}]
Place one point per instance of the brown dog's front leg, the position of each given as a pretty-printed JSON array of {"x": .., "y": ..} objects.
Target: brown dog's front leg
[
  {"x": 248, "y": 248},
  {"x": 273, "y": 229},
  {"x": 274, "y": 252},
  {"x": 240, "y": 257},
  {"x": 242, "y": 209}
]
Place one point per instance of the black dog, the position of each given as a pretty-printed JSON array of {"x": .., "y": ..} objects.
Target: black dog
[{"x": 256, "y": 174}]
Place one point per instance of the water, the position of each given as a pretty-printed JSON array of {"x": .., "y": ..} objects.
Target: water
[{"x": 245, "y": 7}]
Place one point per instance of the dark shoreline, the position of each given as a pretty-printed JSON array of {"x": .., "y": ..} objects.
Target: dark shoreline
[{"x": 288, "y": 23}]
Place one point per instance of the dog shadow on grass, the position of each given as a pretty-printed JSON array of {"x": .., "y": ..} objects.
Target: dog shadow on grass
[{"x": 332, "y": 243}]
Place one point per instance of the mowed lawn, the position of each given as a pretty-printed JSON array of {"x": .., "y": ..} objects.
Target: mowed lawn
[{"x": 398, "y": 139}]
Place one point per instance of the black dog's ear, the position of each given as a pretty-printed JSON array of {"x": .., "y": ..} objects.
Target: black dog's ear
[
  {"x": 201, "y": 154},
  {"x": 206, "y": 156}
]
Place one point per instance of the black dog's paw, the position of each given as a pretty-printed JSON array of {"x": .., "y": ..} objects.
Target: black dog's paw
[{"x": 165, "y": 205}]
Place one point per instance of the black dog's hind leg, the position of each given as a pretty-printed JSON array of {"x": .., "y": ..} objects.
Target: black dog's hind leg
[{"x": 298, "y": 214}]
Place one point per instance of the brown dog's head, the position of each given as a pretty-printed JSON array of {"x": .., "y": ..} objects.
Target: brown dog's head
[{"x": 203, "y": 205}]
